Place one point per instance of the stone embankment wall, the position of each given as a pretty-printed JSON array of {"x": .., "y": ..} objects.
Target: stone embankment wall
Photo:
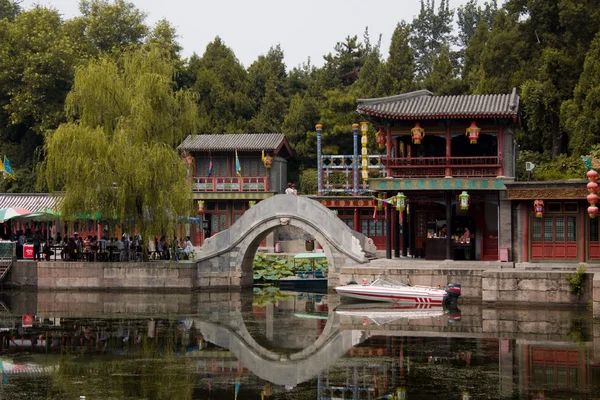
[{"x": 89, "y": 275}]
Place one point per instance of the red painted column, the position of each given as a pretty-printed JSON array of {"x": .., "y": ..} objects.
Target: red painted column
[
  {"x": 388, "y": 145},
  {"x": 582, "y": 232},
  {"x": 525, "y": 234},
  {"x": 448, "y": 150}
]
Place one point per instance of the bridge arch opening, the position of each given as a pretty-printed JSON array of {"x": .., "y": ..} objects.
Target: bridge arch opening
[{"x": 251, "y": 243}]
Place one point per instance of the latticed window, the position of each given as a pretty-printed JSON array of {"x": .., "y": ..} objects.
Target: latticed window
[
  {"x": 537, "y": 230},
  {"x": 548, "y": 229},
  {"x": 253, "y": 167},
  {"x": 556, "y": 229},
  {"x": 571, "y": 229}
]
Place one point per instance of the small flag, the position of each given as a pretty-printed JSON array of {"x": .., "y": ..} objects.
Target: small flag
[
  {"x": 238, "y": 167},
  {"x": 7, "y": 167},
  {"x": 263, "y": 156},
  {"x": 210, "y": 167},
  {"x": 375, "y": 213}
]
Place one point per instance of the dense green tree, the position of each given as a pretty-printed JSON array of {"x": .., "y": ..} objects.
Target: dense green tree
[
  {"x": 222, "y": 85},
  {"x": 397, "y": 75},
  {"x": 471, "y": 66},
  {"x": 349, "y": 57},
  {"x": 367, "y": 84},
  {"x": 501, "y": 56},
  {"x": 581, "y": 115},
  {"x": 269, "y": 67},
  {"x": 299, "y": 127},
  {"x": 113, "y": 25},
  {"x": 470, "y": 15},
  {"x": 431, "y": 30},
  {"x": 37, "y": 59},
  {"x": 117, "y": 154},
  {"x": 442, "y": 79},
  {"x": 9, "y": 9},
  {"x": 164, "y": 36}
]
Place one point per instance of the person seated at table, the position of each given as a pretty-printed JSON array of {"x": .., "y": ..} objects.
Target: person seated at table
[
  {"x": 443, "y": 231},
  {"x": 72, "y": 250},
  {"x": 467, "y": 234},
  {"x": 188, "y": 248},
  {"x": 47, "y": 249},
  {"x": 65, "y": 248}
]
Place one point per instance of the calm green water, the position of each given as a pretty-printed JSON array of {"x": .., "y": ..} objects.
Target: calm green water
[{"x": 283, "y": 345}]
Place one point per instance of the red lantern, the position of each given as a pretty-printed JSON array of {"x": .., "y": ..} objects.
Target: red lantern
[
  {"x": 417, "y": 133},
  {"x": 592, "y": 187},
  {"x": 592, "y": 198},
  {"x": 473, "y": 132},
  {"x": 268, "y": 161},
  {"x": 538, "y": 208},
  {"x": 592, "y": 176},
  {"x": 381, "y": 138},
  {"x": 593, "y": 211}
]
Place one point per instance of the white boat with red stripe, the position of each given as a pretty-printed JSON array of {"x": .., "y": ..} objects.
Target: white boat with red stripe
[{"x": 385, "y": 289}]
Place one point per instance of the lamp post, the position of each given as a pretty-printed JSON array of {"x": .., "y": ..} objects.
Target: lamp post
[
  {"x": 355, "y": 159},
  {"x": 319, "y": 129}
]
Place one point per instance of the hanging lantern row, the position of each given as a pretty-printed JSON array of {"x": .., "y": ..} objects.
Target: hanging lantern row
[
  {"x": 538, "y": 208},
  {"x": 381, "y": 138},
  {"x": 464, "y": 200},
  {"x": 473, "y": 132},
  {"x": 417, "y": 133},
  {"x": 363, "y": 140},
  {"x": 592, "y": 197}
]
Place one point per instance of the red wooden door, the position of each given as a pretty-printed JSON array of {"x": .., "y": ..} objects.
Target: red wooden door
[{"x": 554, "y": 238}]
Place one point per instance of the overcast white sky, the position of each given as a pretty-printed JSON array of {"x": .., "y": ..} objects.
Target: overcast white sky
[{"x": 308, "y": 28}]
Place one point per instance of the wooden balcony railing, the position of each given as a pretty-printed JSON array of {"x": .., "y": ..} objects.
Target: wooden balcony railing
[
  {"x": 430, "y": 167},
  {"x": 230, "y": 184}
]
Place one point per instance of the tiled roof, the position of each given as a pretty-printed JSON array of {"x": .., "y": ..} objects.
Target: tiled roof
[
  {"x": 422, "y": 104},
  {"x": 239, "y": 142},
  {"x": 32, "y": 202}
]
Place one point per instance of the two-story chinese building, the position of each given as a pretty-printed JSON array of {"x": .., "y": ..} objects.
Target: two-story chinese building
[
  {"x": 445, "y": 163},
  {"x": 230, "y": 173},
  {"x": 448, "y": 158}
]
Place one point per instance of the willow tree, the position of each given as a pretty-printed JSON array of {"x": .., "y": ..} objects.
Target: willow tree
[{"x": 117, "y": 154}]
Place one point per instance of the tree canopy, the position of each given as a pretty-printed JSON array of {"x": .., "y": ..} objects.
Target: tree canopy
[
  {"x": 116, "y": 154},
  {"x": 547, "y": 50}
]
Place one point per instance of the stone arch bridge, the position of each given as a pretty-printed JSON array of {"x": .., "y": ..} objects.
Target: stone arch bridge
[{"x": 226, "y": 259}]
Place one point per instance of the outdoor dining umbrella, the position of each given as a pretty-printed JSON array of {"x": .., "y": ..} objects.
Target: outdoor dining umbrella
[
  {"x": 43, "y": 215},
  {"x": 12, "y": 212}
]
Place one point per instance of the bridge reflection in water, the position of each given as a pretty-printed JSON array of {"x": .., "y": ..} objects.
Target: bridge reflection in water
[{"x": 218, "y": 343}]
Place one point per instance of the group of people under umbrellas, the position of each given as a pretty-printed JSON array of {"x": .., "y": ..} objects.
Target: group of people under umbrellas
[{"x": 74, "y": 248}]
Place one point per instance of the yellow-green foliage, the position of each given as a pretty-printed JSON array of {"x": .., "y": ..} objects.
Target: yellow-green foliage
[{"x": 117, "y": 154}]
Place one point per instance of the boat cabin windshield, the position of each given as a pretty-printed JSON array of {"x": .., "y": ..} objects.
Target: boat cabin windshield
[{"x": 388, "y": 282}]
